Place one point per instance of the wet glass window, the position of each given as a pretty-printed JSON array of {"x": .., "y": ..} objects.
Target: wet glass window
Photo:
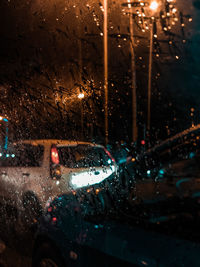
[
  {"x": 81, "y": 81},
  {"x": 23, "y": 156},
  {"x": 83, "y": 156}
]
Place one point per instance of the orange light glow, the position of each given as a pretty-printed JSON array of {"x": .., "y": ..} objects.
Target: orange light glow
[
  {"x": 154, "y": 5},
  {"x": 81, "y": 95}
]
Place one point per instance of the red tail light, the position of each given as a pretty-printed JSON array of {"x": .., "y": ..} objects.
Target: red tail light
[
  {"x": 54, "y": 155},
  {"x": 109, "y": 155}
]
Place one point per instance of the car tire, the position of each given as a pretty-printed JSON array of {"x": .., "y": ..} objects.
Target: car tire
[
  {"x": 47, "y": 255},
  {"x": 32, "y": 209}
]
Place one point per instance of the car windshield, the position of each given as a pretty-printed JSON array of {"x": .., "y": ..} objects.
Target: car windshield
[
  {"x": 99, "y": 133},
  {"x": 83, "y": 156}
]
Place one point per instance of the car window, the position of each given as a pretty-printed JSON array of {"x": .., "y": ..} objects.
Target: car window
[
  {"x": 184, "y": 160},
  {"x": 83, "y": 156},
  {"x": 24, "y": 155}
]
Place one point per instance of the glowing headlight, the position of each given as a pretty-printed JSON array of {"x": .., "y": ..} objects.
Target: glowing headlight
[{"x": 89, "y": 178}]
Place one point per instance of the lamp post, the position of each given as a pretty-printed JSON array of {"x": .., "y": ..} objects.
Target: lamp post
[
  {"x": 81, "y": 96},
  {"x": 153, "y": 6},
  {"x": 133, "y": 80},
  {"x": 105, "y": 35},
  {"x": 150, "y": 76},
  {"x": 80, "y": 64},
  {"x": 130, "y": 5}
]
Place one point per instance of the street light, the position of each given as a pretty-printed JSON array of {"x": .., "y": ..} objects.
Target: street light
[
  {"x": 154, "y": 5},
  {"x": 81, "y": 95}
]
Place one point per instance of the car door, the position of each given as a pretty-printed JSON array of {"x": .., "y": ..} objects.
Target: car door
[
  {"x": 33, "y": 174},
  {"x": 21, "y": 172},
  {"x": 9, "y": 176}
]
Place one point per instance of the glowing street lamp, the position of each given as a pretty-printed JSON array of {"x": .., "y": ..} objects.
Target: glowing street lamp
[
  {"x": 81, "y": 95},
  {"x": 154, "y": 6}
]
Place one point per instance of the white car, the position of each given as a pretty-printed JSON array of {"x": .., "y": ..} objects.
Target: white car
[{"x": 33, "y": 172}]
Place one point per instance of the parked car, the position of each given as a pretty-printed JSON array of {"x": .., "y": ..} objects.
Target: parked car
[
  {"x": 168, "y": 170},
  {"x": 33, "y": 172},
  {"x": 70, "y": 235}
]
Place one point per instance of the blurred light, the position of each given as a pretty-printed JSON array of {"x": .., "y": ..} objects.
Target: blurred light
[
  {"x": 73, "y": 255},
  {"x": 81, "y": 95},
  {"x": 86, "y": 178},
  {"x": 129, "y": 5},
  {"x": 1, "y": 118},
  {"x": 161, "y": 171},
  {"x": 142, "y": 142},
  {"x": 97, "y": 191},
  {"x": 5, "y": 120},
  {"x": 133, "y": 159},
  {"x": 13, "y": 155},
  {"x": 0, "y": 154},
  {"x": 154, "y": 5},
  {"x": 148, "y": 172},
  {"x": 109, "y": 155},
  {"x": 54, "y": 155},
  {"x": 49, "y": 209},
  {"x": 54, "y": 219},
  {"x": 7, "y": 155},
  {"x": 109, "y": 161},
  {"x": 89, "y": 190},
  {"x": 192, "y": 155}
]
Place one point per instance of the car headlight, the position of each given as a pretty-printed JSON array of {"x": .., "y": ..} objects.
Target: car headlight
[{"x": 83, "y": 179}]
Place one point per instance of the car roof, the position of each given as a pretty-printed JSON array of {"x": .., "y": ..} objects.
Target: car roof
[
  {"x": 192, "y": 130},
  {"x": 57, "y": 142}
]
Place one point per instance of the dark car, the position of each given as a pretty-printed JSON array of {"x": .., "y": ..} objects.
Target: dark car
[
  {"x": 75, "y": 232},
  {"x": 170, "y": 169}
]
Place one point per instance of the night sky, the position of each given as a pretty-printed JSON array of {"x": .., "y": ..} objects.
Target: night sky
[{"x": 43, "y": 44}]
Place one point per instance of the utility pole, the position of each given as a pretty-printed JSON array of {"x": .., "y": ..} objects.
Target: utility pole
[
  {"x": 105, "y": 34},
  {"x": 133, "y": 82},
  {"x": 153, "y": 7},
  {"x": 80, "y": 64},
  {"x": 150, "y": 77}
]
